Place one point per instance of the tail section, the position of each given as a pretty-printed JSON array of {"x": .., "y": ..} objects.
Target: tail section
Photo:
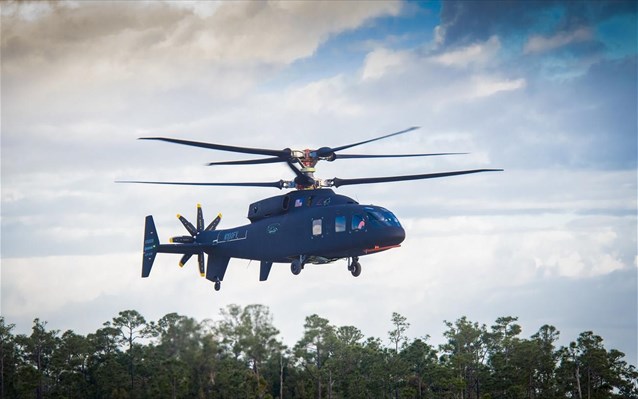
[
  {"x": 188, "y": 246},
  {"x": 151, "y": 245}
]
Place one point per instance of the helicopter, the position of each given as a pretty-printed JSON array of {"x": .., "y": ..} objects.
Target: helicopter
[{"x": 309, "y": 225}]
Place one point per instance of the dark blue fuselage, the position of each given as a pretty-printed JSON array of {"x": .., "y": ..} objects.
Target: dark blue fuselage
[
  {"x": 317, "y": 224},
  {"x": 306, "y": 226}
]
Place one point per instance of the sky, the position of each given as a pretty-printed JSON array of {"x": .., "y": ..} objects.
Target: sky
[{"x": 545, "y": 90}]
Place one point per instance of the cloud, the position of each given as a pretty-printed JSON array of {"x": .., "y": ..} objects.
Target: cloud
[
  {"x": 382, "y": 60},
  {"x": 160, "y": 50},
  {"x": 477, "y": 53},
  {"x": 538, "y": 44},
  {"x": 465, "y": 22}
]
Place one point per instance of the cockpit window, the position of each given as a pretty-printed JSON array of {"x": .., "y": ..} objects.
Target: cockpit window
[
  {"x": 382, "y": 216},
  {"x": 358, "y": 222}
]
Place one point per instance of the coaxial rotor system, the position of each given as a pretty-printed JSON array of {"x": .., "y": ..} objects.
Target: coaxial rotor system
[{"x": 303, "y": 162}]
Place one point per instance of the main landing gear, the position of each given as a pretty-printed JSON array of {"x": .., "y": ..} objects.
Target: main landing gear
[
  {"x": 297, "y": 265},
  {"x": 354, "y": 266}
]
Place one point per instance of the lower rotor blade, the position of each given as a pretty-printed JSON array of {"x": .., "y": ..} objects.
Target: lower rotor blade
[
  {"x": 337, "y": 182},
  {"x": 277, "y": 184},
  {"x": 355, "y": 156},
  {"x": 200, "y": 260}
]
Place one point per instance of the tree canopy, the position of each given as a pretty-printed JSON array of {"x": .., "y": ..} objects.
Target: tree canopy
[{"x": 242, "y": 356}]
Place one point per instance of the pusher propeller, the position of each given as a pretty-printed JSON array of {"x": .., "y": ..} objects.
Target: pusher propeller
[{"x": 194, "y": 231}]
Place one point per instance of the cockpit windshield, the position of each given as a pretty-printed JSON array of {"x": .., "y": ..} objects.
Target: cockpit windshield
[{"x": 382, "y": 216}]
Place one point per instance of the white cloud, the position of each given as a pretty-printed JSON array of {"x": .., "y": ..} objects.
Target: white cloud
[
  {"x": 472, "y": 55},
  {"x": 326, "y": 96},
  {"x": 380, "y": 61},
  {"x": 539, "y": 44},
  {"x": 484, "y": 86}
]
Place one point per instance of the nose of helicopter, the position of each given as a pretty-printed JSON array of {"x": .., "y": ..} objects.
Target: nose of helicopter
[{"x": 394, "y": 235}]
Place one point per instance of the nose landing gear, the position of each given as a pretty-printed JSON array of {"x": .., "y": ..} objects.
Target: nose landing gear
[{"x": 354, "y": 266}]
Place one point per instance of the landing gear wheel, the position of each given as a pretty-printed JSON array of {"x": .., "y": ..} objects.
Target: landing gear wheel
[
  {"x": 296, "y": 266},
  {"x": 355, "y": 268},
  {"x": 218, "y": 285}
]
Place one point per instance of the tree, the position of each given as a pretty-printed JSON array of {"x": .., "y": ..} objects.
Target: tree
[
  {"x": 397, "y": 336},
  {"x": 466, "y": 354},
  {"x": 70, "y": 364},
  {"x": 107, "y": 368},
  {"x": 421, "y": 360},
  {"x": 315, "y": 348},
  {"x": 131, "y": 326},
  {"x": 344, "y": 366},
  {"x": 251, "y": 336},
  {"x": 8, "y": 360},
  {"x": 35, "y": 375},
  {"x": 588, "y": 370},
  {"x": 543, "y": 383}
]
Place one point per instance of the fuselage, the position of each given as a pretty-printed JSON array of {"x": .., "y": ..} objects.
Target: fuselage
[{"x": 318, "y": 224}]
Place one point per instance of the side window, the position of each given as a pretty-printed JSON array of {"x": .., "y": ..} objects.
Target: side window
[
  {"x": 358, "y": 223},
  {"x": 340, "y": 224},
  {"x": 316, "y": 227}
]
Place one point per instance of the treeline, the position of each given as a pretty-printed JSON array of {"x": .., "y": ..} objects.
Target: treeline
[{"x": 241, "y": 356}]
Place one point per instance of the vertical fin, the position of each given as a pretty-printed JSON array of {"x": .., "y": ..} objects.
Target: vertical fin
[
  {"x": 216, "y": 267},
  {"x": 151, "y": 244}
]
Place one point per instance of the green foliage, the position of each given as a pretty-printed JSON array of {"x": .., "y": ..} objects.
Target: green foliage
[{"x": 241, "y": 356}]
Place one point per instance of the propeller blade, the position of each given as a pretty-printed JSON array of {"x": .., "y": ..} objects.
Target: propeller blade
[
  {"x": 277, "y": 184},
  {"x": 200, "y": 218},
  {"x": 200, "y": 260},
  {"x": 355, "y": 156},
  {"x": 214, "y": 223},
  {"x": 182, "y": 240},
  {"x": 343, "y": 147},
  {"x": 184, "y": 259},
  {"x": 249, "y": 161},
  {"x": 245, "y": 150},
  {"x": 337, "y": 182},
  {"x": 191, "y": 229}
]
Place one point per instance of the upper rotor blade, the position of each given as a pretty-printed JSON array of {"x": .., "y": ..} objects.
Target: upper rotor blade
[
  {"x": 277, "y": 184},
  {"x": 337, "y": 182},
  {"x": 355, "y": 156},
  {"x": 343, "y": 147},
  {"x": 221, "y": 147},
  {"x": 249, "y": 161}
]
